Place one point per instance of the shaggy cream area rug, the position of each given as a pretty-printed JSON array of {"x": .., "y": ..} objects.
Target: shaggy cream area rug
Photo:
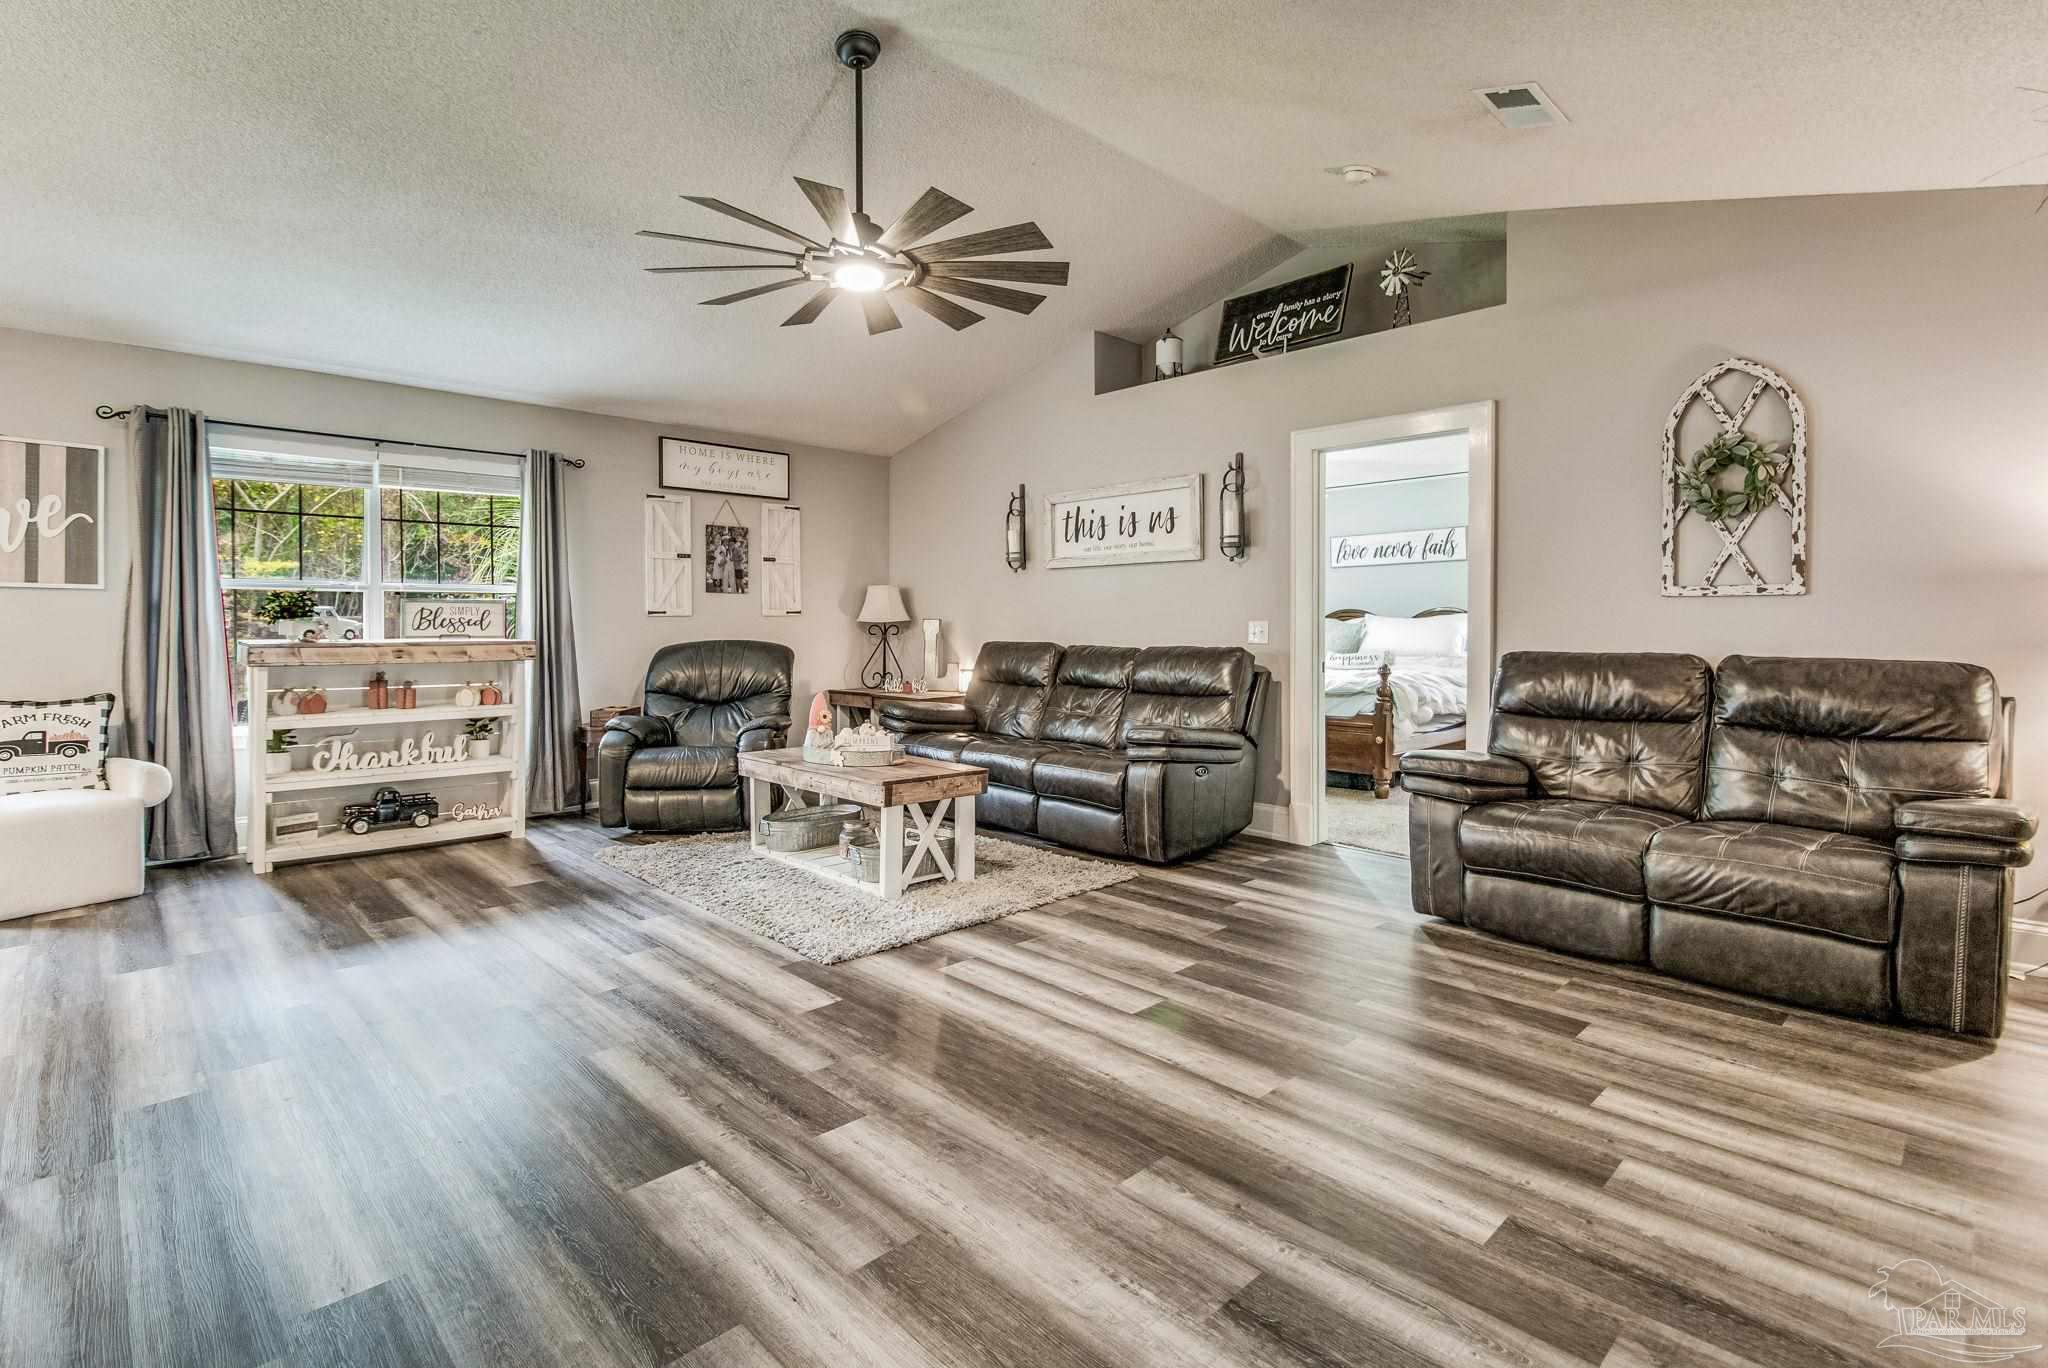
[
  {"x": 822, "y": 921},
  {"x": 1354, "y": 817}
]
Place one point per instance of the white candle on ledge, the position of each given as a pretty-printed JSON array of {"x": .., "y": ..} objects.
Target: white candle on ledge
[{"x": 1166, "y": 354}]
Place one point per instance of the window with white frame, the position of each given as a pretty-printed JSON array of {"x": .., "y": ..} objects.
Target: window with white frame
[{"x": 335, "y": 535}]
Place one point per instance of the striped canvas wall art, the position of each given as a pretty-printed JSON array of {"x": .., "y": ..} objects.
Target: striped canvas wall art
[{"x": 52, "y": 515}]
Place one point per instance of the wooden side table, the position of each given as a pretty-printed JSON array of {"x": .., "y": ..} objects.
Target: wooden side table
[
  {"x": 593, "y": 732},
  {"x": 851, "y": 699}
]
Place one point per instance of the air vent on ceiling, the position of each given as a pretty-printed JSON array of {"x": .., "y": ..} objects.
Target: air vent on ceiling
[{"x": 1521, "y": 106}]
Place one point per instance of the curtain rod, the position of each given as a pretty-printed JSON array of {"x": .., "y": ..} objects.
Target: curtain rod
[{"x": 107, "y": 411}]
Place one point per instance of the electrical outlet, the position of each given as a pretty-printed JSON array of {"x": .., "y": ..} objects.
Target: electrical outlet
[{"x": 1256, "y": 634}]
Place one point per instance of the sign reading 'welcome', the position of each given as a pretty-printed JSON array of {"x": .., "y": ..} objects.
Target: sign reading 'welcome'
[{"x": 1296, "y": 314}]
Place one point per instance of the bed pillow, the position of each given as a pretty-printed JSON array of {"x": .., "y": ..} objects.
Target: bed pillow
[
  {"x": 1342, "y": 638},
  {"x": 48, "y": 745},
  {"x": 1430, "y": 636}
]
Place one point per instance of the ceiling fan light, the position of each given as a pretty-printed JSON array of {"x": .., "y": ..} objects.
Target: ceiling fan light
[{"x": 860, "y": 277}]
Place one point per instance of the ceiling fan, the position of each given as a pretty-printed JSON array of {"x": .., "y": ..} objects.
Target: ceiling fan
[{"x": 876, "y": 264}]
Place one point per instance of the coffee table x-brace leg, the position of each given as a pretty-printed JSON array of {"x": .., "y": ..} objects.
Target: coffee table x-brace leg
[{"x": 899, "y": 873}]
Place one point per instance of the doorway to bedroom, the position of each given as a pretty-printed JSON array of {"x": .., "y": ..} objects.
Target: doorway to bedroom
[{"x": 1399, "y": 601}]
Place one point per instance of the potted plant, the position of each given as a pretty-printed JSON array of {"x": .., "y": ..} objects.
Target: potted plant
[
  {"x": 482, "y": 733},
  {"x": 290, "y": 612},
  {"x": 277, "y": 752}
]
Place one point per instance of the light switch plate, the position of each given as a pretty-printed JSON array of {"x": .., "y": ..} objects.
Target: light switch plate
[{"x": 1256, "y": 634}]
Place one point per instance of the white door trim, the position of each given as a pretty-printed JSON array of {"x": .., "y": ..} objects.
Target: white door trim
[{"x": 1304, "y": 691}]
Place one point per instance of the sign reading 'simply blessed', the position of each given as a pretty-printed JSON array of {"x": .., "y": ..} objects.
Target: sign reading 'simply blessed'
[
  {"x": 1302, "y": 311},
  {"x": 1152, "y": 520},
  {"x": 714, "y": 469},
  {"x": 441, "y": 618},
  {"x": 1397, "y": 548}
]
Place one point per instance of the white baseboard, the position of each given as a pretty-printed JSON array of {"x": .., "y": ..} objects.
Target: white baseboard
[{"x": 1272, "y": 820}]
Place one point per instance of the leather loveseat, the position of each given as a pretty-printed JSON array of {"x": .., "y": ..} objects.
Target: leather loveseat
[
  {"x": 675, "y": 766},
  {"x": 1150, "y": 753},
  {"x": 1831, "y": 833}
]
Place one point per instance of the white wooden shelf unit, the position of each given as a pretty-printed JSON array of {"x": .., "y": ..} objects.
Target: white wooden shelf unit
[{"x": 343, "y": 670}]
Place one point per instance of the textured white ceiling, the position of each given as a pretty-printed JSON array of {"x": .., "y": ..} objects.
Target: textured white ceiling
[{"x": 445, "y": 194}]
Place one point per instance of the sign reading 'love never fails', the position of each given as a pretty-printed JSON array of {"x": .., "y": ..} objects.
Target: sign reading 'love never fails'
[
  {"x": 1398, "y": 548},
  {"x": 51, "y": 505}
]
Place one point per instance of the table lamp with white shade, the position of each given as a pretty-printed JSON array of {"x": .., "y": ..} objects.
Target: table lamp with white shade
[{"x": 881, "y": 611}]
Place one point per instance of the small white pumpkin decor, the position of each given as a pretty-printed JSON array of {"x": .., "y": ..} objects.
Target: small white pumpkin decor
[{"x": 1735, "y": 469}]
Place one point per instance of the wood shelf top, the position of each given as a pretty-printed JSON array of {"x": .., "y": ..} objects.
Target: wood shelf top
[{"x": 461, "y": 651}]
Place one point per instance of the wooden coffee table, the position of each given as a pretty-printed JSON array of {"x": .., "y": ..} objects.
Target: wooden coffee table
[{"x": 925, "y": 789}]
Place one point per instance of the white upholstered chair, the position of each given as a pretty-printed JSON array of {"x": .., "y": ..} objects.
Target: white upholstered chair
[{"x": 72, "y": 847}]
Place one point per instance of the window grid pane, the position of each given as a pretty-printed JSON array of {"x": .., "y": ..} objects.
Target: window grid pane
[{"x": 447, "y": 544}]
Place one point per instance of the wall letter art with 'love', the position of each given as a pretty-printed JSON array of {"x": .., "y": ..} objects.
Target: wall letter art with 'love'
[{"x": 51, "y": 515}]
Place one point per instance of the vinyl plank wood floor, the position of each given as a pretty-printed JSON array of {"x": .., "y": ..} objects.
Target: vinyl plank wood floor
[{"x": 502, "y": 1105}]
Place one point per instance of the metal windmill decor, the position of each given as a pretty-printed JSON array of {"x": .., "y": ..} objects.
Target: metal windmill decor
[
  {"x": 1760, "y": 438},
  {"x": 1398, "y": 277},
  {"x": 877, "y": 264}
]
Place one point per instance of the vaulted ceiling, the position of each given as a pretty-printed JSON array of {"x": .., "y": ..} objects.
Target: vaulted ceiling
[{"x": 445, "y": 194}]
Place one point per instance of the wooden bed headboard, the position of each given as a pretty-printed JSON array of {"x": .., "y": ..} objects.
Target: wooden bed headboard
[{"x": 1354, "y": 614}]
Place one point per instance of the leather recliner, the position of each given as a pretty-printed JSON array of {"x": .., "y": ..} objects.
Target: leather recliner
[
  {"x": 675, "y": 767},
  {"x": 1830, "y": 833},
  {"x": 1146, "y": 752}
]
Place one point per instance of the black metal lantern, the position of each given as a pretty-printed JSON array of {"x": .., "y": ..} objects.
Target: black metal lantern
[
  {"x": 1230, "y": 512},
  {"x": 1013, "y": 531}
]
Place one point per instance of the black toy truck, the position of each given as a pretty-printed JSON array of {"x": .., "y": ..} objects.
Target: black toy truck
[{"x": 390, "y": 808}]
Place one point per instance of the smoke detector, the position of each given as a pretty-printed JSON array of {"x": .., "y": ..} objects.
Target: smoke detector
[
  {"x": 1521, "y": 106},
  {"x": 1353, "y": 173}
]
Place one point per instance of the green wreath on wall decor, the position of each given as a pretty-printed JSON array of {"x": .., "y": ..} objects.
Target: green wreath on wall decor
[{"x": 1699, "y": 481}]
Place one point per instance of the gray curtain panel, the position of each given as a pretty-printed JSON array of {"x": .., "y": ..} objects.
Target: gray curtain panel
[
  {"x": 555, "y": 776},
  {"x": 174, "y": 663}
]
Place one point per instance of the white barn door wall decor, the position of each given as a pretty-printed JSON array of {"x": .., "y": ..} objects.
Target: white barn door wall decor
[
  {"x": 667, "y": 560},
  {"x": 782, "y": 560},
  {"x": 1735, "y": 485}
]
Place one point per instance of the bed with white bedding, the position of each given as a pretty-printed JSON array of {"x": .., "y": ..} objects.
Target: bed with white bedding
[{"x": 1391, "y": 685}]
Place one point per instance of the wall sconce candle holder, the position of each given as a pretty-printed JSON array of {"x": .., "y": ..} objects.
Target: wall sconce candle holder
[
  {"x": 1232, "y": 540},
  {"x": 1013, "y": 531}
]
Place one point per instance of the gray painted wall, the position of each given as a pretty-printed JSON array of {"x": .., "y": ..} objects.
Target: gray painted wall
[
  {"x": 1395, "y": 506},
  {"x": 1927, "y": 407},
  {"x": 49, "y": 385}
]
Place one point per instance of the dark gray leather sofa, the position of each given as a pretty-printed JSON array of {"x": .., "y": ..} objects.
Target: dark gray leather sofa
[
  {"x": 1150, "y": 753},
  {"x": 675, "y": 767},
  {"x": 1832, "y": 833}
]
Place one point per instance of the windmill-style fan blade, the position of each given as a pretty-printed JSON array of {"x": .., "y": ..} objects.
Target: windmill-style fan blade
[
  {"x": 934, "y": 210},
  {"x": 686, "y": 270},
  {"x": 1016, "y": 301},
  {"x": 744, "y": 217},
  {"x": 830, "y": 202},
  {"x": 1030, "y": 272},
  {"x": 1018, "y": 237},
  {"x": 813, "y": 306},
  {"x": 715, "y": 242},
  {"x": 770, "y": 288},
  {"x": 954, "y": 316},
  {"x": 881, "y": 318}
]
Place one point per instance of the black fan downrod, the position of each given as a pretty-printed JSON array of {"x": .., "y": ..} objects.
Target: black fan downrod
[{"x": 858, "y": 50}]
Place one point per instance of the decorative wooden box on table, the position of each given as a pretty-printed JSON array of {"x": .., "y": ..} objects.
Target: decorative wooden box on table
[{"x": 370, "y": 715}]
